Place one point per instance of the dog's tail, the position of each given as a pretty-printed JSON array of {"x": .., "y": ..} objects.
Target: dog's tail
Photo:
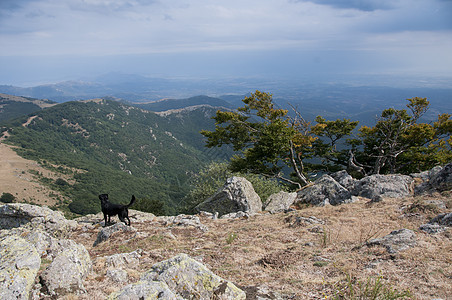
[{"x": 132, "y": 201}]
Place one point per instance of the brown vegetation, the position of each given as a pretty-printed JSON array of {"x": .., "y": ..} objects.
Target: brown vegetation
[{"x": 301, "y": 260}]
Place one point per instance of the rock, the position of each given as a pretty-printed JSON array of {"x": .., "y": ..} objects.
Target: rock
[
  {"x": 123, "y": 259},
  {"x": 344, "y": 179},
  {"x": 280, "y": 202},
  {"x": 443, "y": 219},
  {"x": 146, "y": 290},
  {"x": 396, "y": 241},
  {"x": 117, "y": 275},
  {"x": 325, "y": 190},
  {"x": 237, "y": 215},
  {"x": 442, "y": 180},
  {"x": 105, "y": 233},
  {"x": 67, "y": 271},
  {"x": 438, "y": 224},
  {"x": 236, "y": 195},
  {"x": 14, "y": 215},
  {"x": 391, "y": 186},
  {"x": 192, "y": 280},
  {"x": 296, "y": 221},
  {"x": 19, "y": 265},
  {"x": 183, "y": 220}
]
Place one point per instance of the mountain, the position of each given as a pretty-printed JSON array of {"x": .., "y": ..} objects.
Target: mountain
[
  {"x": 14, "y": 106},
  {"x": 105, "y": 146},
  {"x": 171, "y": 104}
]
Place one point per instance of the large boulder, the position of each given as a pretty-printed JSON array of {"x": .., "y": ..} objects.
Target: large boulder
[
  {"x": 192, "y": 280},
  {"x": 280, "y": 202},
  {"x": 390, "y": 186},
  {"x": 14, "y": 215},
  {"x": 442, "y": 180},
  {"x": 146, "y": 290},
  {"x": 19, "y": 264},
  {"x": 67, "y": 271},
  {"x": 325, "y": 190},
  {"x": 236, "y": 195},
  {"x": 397, "y": 240},
  {"x": 344, "y": 179}
]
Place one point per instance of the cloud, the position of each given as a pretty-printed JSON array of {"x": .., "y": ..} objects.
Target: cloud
[{"x": 363, "y": 5}]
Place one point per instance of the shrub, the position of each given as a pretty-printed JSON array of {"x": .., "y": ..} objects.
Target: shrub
[{"x": 7, "y": 198}]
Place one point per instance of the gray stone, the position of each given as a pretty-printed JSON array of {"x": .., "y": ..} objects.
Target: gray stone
[
  {"x": 438, "y": 224},
  {"x": 236, "y": 195},
  {"x": 123, "y": 259},
  {"x": 19, "y": 265},
  {"x": 396, "y": 241},
  {"x": 280, "y": 202},
  {"x": 67, "y": 271},
  {"x": 191, "y": 279},
  {"x": 344, "y": 179},
  {"x": 14, "y": 215},
  {"x": 390, "y": 186},
  {"x": 105, "y": 233},
  {"x": 325, "y": 190},
  {"x": 183, "y": 221},
  {"x": 117, "y": 275},
  {"x": 442, "y": 180},
  {"x": 145, "y": 290}
]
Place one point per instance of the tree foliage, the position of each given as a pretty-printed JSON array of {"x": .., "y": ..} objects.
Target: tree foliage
[{"x": 268, "y": 140}]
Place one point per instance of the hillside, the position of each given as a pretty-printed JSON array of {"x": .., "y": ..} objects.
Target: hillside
[
  {"x": 15, "y": 106},
  {"x": 170, "y": 104},
  {"x": 103, "y": 146}
]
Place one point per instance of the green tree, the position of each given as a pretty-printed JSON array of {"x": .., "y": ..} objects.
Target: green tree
[
  {"x": 330, "y": 148},
  {"x": 265, "y": 137},
  {"x": 399, "y": 143}
]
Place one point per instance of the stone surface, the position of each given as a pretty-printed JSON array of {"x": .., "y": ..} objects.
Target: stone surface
[
  {"x": 390, "y": 186},
  {"x": 280, "y": 202},
  {"x": 344, "y": 179},
  {"x": 236, "y": 195},
  {"x": 325, "y": 190},
  {"x": 121, "y": 260},
  {"x": 35, "y": 217},
  {"x": 67, "y": 271},
  {"x": 397, "y": 240},
  {"x": 19, "y": 264},
  {"x": 191, "y": 279},
  {"x": 442, "y": 179},
  {"x": 146, "y": 290},
  {"x": 105, "y": 233}
]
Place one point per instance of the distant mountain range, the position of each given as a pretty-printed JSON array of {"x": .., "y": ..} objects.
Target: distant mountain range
[{"x": 331, "y": 100}]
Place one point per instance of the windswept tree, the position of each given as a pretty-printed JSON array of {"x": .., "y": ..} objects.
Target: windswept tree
[
  {"x": 265, "y": 137},
  {"x": 399, "y": 143}
]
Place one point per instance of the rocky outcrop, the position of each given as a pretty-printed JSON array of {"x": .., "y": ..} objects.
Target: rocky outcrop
[
  {"x": 189, "y": 279},
  {"x": 397, "y": 240},
  {"x": 19, "y": 264},
  {"x": 106, "y": 232},
  {"x": 438, "y": 179},
  {"x": 438, "y": 224},
  {"x": 344, "y": 179},
  {"x": 67, "y": 271},
  {"x": 325, "y": 190},
  {"x": 236, "y": 195},
  {"x": 280, "y": 202},
  {"x": 376, "y": 187},
  {"x": 33, "y": 217},
  {"x": 183, "y": 221}
]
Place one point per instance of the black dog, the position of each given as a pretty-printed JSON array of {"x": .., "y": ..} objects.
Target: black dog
[{"x": 111, "y": 209}]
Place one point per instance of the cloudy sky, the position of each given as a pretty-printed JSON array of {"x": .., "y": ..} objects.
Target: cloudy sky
[{"x": 45, "y": 40}]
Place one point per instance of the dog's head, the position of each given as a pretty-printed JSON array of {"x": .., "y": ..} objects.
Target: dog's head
[{"x": 103, "y": 197}]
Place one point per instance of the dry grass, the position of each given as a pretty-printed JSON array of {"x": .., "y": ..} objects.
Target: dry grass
[{"x": 302, "y": 260}]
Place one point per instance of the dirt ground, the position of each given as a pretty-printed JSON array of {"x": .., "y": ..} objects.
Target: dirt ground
[
  {"x": 299, "y": 260},
  {"x": 17, "y": 176}
]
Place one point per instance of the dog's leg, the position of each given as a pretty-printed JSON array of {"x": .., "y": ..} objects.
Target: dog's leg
[{"x": 105, "y": 220}]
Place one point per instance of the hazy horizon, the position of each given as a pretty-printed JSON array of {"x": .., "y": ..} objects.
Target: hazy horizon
[{"x": 46, "y": 41}]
